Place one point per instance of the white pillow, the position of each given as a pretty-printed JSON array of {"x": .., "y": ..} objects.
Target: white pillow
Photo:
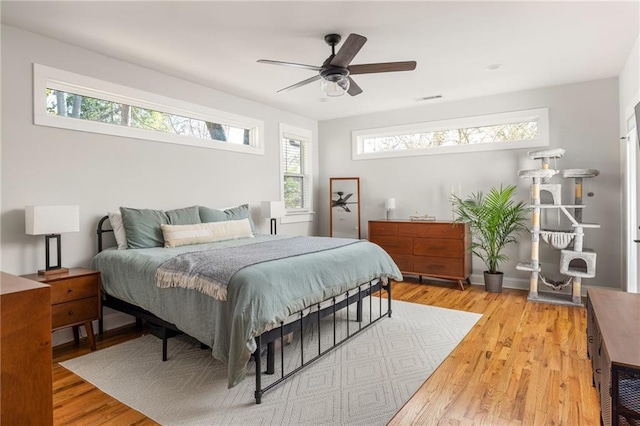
[
  {"x": 118, "y": 230},
  {"x": 210, "y": 232}
]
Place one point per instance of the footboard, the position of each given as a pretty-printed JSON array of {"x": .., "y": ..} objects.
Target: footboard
[{"x": 310, "y": 321}]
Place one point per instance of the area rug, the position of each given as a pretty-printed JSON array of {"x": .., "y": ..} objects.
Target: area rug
[{"x": 364, "y": 381}]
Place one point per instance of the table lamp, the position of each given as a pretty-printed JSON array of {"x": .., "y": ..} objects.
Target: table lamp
[
  {"x": 51, "y": 221},
  {"x": 389, "y": 206},
  {"x": 273, "y": 210}
]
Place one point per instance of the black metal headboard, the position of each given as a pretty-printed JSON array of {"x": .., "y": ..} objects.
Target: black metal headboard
[{"x": 101, "y": 231}]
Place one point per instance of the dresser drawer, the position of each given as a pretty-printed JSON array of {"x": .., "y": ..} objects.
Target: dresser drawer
[
  {"x": 411, "y": 229},
  {"x": 440, "y": 247},
  {"x": 78, "y": 311},
  {"x": 382, "y": 229},
  {"x": 394, "y": 245},
  {"x": 404, "y": 262},
  {"x": 442, "y": 230},
  {"x": 439, "y": 266},
  {"x": 74, "y": 288}
]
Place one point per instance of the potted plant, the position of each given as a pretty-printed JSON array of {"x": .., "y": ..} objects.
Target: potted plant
[{"x": 494, "y": 219}]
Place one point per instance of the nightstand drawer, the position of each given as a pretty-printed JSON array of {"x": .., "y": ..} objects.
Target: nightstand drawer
[
  {"x": 76, "y": 312},
  {"x": 74, "y": 289}
]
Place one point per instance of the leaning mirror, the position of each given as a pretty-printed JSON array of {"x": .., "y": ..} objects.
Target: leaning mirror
[{"x": 344, "y": 220}]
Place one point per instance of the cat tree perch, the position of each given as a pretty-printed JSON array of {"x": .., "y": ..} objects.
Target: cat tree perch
[{"x": 576, "y": 262}]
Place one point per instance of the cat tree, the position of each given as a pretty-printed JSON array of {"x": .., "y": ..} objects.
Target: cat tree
[{"x": 576, "y": 261}]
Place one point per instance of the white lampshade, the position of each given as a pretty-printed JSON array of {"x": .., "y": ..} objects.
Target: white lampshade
[
  {"x": 273, "y": 209},
  {"x": 390, "y": 204},
  {"x": 45, "y": 220}
]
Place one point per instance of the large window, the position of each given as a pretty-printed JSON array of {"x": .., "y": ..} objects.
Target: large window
[
  {"x": 296, "y": 168},
  {"x": 72, "y": 101},
  {"x": 521, "y": 129}
]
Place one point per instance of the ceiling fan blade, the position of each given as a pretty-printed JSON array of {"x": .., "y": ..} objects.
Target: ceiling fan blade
[
  {"x": 300, "y": 84},
  {"x": 348, "y": 51},
  {"x": 290, "y": 64},
  {"x": 347, "y": 197},
  {"x": 382, "y": 67},
  {"x": 354, "y": 89}
]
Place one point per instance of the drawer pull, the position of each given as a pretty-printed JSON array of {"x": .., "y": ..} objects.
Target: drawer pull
[
  {"x": 590, "y": 339},
  {"x": 70, "y": 312},
  {"x": 70, "y": 290},
  {"x": 598, "y": 371}
]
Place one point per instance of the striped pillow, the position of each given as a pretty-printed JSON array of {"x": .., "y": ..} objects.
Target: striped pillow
[{"x": 199, "y": 233}]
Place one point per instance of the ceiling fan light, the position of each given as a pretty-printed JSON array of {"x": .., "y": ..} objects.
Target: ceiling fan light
[{"x": 335, "y": 85}]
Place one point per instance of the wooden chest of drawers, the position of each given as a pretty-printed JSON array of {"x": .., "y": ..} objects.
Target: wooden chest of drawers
[
  {"x": 75, "y": 300},
  {"x": 25, "y": 359},
  {"x": 435, "y": 249}
]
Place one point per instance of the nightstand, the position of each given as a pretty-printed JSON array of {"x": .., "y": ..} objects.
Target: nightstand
[{"x": 75, "y": 300}]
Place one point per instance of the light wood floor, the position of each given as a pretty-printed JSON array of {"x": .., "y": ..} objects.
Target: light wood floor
[{"x": 522, "y": 364}]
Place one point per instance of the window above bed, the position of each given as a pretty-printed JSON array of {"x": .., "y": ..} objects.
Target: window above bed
[
  {"x": 72, "y": 101},
  {"x": 509, "y": 130}
]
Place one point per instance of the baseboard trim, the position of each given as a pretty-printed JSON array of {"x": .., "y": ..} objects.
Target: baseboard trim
[
  {"x": 507, "y": 282},
  {"x": 523, "y": 284}
]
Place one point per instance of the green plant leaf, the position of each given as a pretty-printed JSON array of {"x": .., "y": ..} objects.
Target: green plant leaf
[{"x": 495, "y": 219}]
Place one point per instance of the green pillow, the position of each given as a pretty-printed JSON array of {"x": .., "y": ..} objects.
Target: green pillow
[
  {"x": 234, "y": 213},
  {"x": 211, "y": 215},
  {"x": 142, "y": 227},
  {"x": 240, "y": 212},
  {"x": 185, "y": 216}
]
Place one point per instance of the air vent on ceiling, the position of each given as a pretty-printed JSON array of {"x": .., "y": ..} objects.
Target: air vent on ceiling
[{"x": 429, "y": 98}]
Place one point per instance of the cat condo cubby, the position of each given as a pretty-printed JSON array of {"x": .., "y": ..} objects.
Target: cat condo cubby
[{"x": 576, "y": 261}]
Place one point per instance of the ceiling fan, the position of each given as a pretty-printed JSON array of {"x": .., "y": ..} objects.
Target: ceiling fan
[
  {"x": 336, "y": 70},
  {"x": 342, "y": 202}
]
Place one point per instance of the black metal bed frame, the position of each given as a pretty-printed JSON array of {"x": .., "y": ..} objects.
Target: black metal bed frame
[{"x": 267, "y": 339}]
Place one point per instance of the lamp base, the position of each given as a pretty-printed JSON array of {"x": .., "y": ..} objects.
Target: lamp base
[{"x": 55, "y": 271}]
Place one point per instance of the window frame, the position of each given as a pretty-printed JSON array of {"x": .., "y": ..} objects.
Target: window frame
[
  {"x": 540, "y": 115},
  {"x": 45, "y": 77},
  {"x": 306, "y": 136}
]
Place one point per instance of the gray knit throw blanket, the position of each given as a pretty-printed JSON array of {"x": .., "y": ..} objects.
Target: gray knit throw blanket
[{"x": 209, "y": 271}]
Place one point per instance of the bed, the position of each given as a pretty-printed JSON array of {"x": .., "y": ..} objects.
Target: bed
[{"x": 270, "y": 297}]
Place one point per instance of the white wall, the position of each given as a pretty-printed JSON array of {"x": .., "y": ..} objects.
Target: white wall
[
  {"x": 583, "y": 121},
  {"x": 43, "y": 165}
]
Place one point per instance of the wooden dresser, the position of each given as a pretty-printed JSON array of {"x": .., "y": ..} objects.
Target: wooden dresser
[
  {"x": 613, "y": 345},
  {"x": 25, "y": 360},
  {"x": 435, "y": 249}
]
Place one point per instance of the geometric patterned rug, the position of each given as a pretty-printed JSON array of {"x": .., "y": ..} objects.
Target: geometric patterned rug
[{"x": 364, "y": 381}]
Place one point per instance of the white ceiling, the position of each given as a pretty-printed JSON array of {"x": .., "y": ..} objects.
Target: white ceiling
[{"x": 217, "y": 44}]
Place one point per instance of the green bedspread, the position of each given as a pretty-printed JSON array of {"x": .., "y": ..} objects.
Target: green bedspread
[{"x": 258, "y": 296}]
